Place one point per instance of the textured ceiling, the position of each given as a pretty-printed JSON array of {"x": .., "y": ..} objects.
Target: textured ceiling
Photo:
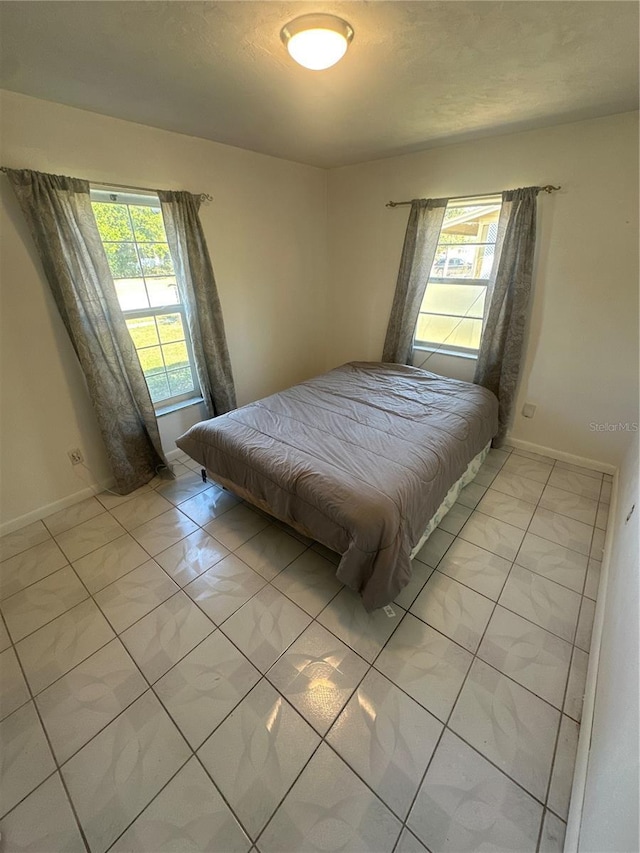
[{"x": 417, "y": 74}]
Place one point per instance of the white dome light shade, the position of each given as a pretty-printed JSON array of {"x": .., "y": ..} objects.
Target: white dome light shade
[{"x": 317, "y": 41}]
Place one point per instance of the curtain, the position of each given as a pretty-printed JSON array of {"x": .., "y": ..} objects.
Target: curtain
[
  {"x": 498, "y": 364},
  {"x": 418, "y": 252},
  {"x": 199, "y": 294},
  {"x": 59, "y": 213}
]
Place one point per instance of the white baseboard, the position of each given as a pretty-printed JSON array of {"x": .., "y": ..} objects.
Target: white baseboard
[
  {"x": 49, "y": 509},
  {"x": 561, "y": 455},
  {"x": 574, "y": 820}
]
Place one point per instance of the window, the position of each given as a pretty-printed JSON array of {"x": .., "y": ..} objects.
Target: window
[
  {"x": 451, "y": 313},
  {"x": 133, "y": 235}
]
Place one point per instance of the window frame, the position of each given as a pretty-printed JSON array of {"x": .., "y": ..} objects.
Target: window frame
[
  {"x": 444, "y": 348},
  {"x": 119, "y": 197}
]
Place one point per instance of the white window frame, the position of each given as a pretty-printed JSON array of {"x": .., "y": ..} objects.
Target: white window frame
[
  {"x": 452, "y": 349},
  {"x": 115, "y": 196}
]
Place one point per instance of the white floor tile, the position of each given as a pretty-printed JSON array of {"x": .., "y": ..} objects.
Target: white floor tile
[
  {"x": 205, "y": 686},
  {"x": 13, "y": 688},
  {"x": 42, "y": 822},
  {"x": 163, "y": 531},
  {"x": 269, "y": 551},
  {"x": 317, "y": 675},
  {"x": 506, "y": 508},
  {"x": 25, "y": 757},
  {"x": 329, "y": 801},
  {"x": 466, "y": 804},
  {"x": 256, "y": 754},
  {"x": 553, "y": 561},
  {"x": 141, "y": 509},
  {"x": 542, "y": 601},
  {"x": 88, "y": 536},
  {"x": 224, "y": 588},
  {"x": 366, "y": 633},
  {"x": 426, "y": 665},
  {"x": 115, "y": 775},
  {"x": 265, "y": 626},
  {"x": 189, "y": 814},
  {"x": 30, "y": 566},
  {"x": 509, "y": 725},
  {"x": 18, "y": 541},
  {"x": 67, "y": 518},
  {"x": 579, "y": 484},
  {"x": 528, "y": 654},
  {"x": 310, "y": 581},
  {"x": 163, "y": 637},
  {"x": 33, "y": 607},
  {"x": 475, "y": 567},
  {"x": 236, "y": 526},
  {"x": 88, "y": 698},
  {"x": 576, "y": 684},
  {"x": 454, "y": 610},
  {"x": 62, "y": 644},
  {"x": 191, "y": 556},
  {"x": 388, "y": 739},
  {"x": 569, "y": 504},
  {"x": 562, "y": 775},
  {"x": 105, "y": 565},
  {"x": 135, "y": 594},
  {"x": 493, "y": 535}
]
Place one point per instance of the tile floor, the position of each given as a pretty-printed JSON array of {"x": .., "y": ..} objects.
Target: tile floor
[{"x": 179, "y": 672}]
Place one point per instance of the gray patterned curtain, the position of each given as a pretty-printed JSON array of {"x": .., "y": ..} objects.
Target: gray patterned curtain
[
  {"x": 58, "y": 211},
  {"x": 418, "y": 252},
  {"x": 199, "y": 293},
  {"x": 498, "y": 365}
]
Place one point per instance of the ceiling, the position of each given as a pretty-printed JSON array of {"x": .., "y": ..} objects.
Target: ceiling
[{"x": 417, "y": 74}]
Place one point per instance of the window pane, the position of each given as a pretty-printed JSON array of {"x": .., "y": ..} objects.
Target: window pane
[
  {"x": 158, "y": 387},
  {"x": 123, "y": 260},
  {"x": 113, "y": 221},
  {"x": 449, "y": 331},
  {"x": 155, "y": 259},
  {"x": 163, "y": 291},
  {"x": 180, "y": 381},
  {"x": 175, "y": 355},
  {"x": 462, "y": 299},
  {"x": 151, "y": 360},
  {"x": 170, "y": 328},
  {"x": 148, "y": 224},
  {"x": 132, "y": 293},
  {"x": 143, "y": 331}
]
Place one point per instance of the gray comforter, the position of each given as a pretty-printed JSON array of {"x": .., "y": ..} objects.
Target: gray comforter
[{"x": 359, "y": 459}]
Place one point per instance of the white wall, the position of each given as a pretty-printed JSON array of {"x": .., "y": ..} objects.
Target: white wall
[
  {"x": 612, "y": 793},
  {"x": 266, "y": 230},
  {"x": 581, "y": 363}
]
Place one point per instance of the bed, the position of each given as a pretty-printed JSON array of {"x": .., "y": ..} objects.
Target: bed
[{"x": 365, "y": 459}]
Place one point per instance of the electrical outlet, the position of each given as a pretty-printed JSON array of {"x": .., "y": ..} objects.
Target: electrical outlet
[
  {"x": 76, "y": 456},
  {"x": 528, "y": 410}
]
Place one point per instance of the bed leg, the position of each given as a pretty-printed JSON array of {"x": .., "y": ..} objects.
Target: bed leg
[{"x": 204, "y": 475}]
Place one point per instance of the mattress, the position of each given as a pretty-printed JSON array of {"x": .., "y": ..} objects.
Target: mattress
[{"x": 359, "y": 459}]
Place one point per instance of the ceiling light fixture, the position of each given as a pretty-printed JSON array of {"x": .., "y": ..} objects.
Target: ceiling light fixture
[{"x": 317, "y": 41}]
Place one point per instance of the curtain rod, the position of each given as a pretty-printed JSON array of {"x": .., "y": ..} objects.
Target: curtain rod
[
  {"x": 126, "y": 187},
  {"x": 549, "y": 188}
]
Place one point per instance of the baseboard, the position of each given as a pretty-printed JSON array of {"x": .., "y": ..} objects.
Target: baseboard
[
  {"x": 561, "y": 456},
  {"x": 574, "y": 820},
  {"x": 49, "y": 509}
]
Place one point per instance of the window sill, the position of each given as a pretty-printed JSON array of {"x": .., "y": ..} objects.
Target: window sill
[
  {"x": 174, "y": 407},
  {"x": 470, "y": 356}
]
